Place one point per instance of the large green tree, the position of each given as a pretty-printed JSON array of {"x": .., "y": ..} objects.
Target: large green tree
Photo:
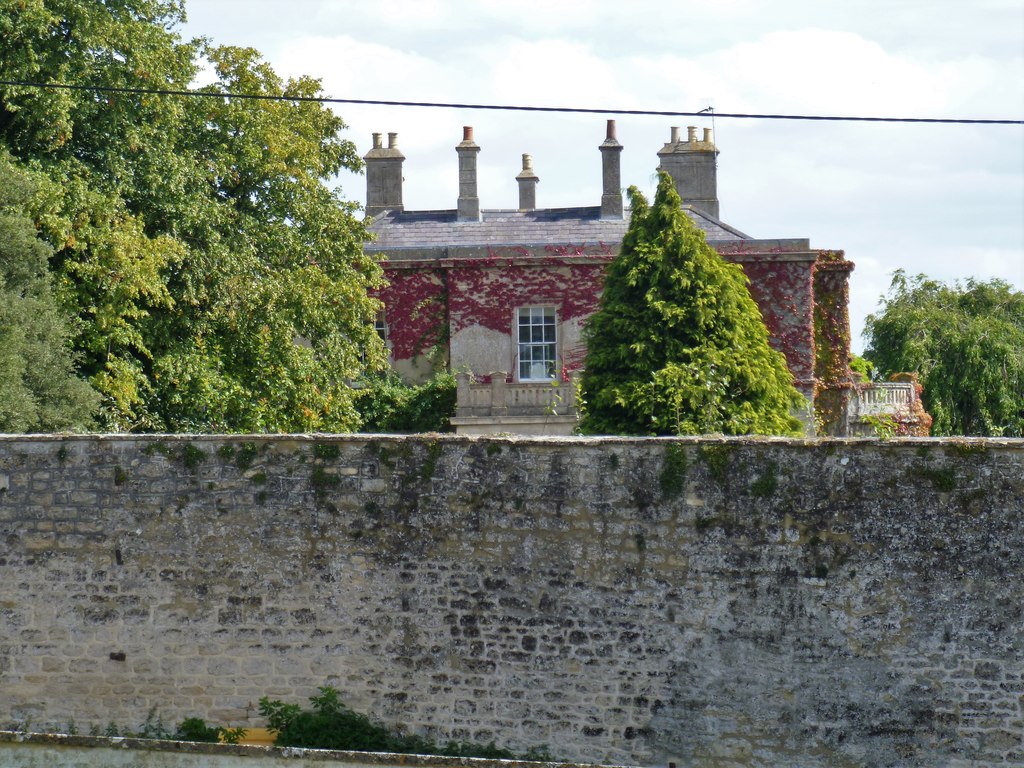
[
  {"x": 39, "y": 391},
  {"x": 678, "y": 345},
  {"x": 219, "y": 283},
  {"x": 965, "y": 342}
]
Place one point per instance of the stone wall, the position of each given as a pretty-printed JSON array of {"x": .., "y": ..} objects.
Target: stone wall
[{"x": 709, "y": 602}]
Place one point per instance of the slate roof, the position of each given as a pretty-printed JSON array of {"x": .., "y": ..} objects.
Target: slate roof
[{"x": 558, "y": 226}]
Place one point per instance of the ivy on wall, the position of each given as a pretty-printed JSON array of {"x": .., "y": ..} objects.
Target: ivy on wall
[{"x": 833, "y": 378}]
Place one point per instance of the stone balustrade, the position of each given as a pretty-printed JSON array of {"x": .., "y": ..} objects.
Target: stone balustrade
[{"x": 518, "y": 407}]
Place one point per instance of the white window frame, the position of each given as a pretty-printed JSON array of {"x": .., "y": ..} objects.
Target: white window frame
[
  {"x": 536, "y": 357},
  {"x": 380, "y": 325}
]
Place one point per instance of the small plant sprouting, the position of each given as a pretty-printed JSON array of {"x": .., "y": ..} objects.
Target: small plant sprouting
[
  {"x": 717, "y": 459},
  {"x": 152, "y": 449},
  {"x": 673, "y": 470},
  {"x": 434, "y": 451},
  {"x": 326, "y": 451},
  {"x": 192, "y": 457},
  {"x": 766, "y": 484},
  {"x": 322, "y": 481},
  {"x": 943, "y": 479},
  {"x": 153, "y": 727},
  {"x": 247, "y": 453},
  {"x": 120, "y": 476}
]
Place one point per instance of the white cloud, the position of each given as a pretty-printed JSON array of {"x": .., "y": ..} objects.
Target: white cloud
[{"x": 944, "y": 200}]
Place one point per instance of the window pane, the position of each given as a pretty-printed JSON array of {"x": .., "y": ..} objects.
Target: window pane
[{"x": 538, "y": 347}]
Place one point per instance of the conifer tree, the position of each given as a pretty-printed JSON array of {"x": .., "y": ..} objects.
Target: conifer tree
[{"x": 678, "y": 345}]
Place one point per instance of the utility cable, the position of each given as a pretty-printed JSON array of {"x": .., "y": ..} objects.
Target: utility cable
[{"x": 506, "y": 107}]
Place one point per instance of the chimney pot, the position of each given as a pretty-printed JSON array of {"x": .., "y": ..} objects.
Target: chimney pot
[
  {"x": 384, "y": 176},
  {"x": 693, "y": 168},
  {"x": 467, "y": 133},
  {"x": 610, "y": 133},
  {"x": 675, "y": 135}
]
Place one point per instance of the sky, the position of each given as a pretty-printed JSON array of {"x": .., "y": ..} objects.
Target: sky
[{"x": 943, "y": 200}]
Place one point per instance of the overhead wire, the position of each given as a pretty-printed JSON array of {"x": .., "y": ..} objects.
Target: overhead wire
[{"x": 507, "y": 107}]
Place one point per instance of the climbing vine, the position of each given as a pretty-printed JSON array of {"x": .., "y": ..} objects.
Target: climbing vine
[{"x": 833, "y": 379}]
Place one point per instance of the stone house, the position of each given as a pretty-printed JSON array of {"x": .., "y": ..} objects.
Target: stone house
[{"x": 501, "y": 296}]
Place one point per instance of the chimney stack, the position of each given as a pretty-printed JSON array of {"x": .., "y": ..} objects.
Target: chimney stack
[
  {"x": 527, "y": 185},
  {"x": 611, "y": 176},
  {"x": 469, "y": 203},
  {"x": 692, "y": 164},
  {"x": 384, "y": 176}
]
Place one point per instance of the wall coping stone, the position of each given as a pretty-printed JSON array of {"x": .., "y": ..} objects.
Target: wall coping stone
[
  {"x": 361, "y": 437},
  {"x": 326, "y": 756}
]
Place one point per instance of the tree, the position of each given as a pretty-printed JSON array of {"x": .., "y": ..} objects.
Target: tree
[
  {"x": 39, "y": 391},
  {"x": 218, "y": 283},
  {"x": 678, "y": 345},
  {"x": 387, "y": 404},
  {"x": 966, "y": 344}
]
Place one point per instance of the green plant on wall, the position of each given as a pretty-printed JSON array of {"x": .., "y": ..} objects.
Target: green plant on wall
[{"x": 673, "y": 471}]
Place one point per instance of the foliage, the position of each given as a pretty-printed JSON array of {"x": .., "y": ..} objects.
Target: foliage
[
  {"x": 862, "y": 367},
  {"x": 678, "y": 345},
  {"x": 883, "y": 425},
  {"x": 387, "y": 404},
  {"x": 153, "y": 727},
  {"x": 190, "y": 729},
  {"x": 196, "y": 729},
  {"x": 39, "y": 391},
  {"x": 218, "y": 283},
  {"x": 965, "y": 342},
  {"x": 332, "y": 725}
]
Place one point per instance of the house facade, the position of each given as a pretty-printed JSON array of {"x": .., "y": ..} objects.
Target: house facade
[{"x": 501, "y": 296}]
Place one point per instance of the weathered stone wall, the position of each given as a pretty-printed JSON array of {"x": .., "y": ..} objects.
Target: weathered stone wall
[{"x": 712, "y": 602}]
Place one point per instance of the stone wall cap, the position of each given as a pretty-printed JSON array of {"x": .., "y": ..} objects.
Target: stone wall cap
[
  {"x": 309, "y": 755},
  {"x": 1014, "y": 443}
]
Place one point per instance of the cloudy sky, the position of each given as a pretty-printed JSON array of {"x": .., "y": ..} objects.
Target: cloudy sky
[{"x": 945, "y": 200}]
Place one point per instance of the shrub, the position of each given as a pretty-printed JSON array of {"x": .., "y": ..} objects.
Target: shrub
[{"x": 332, "y": 725}]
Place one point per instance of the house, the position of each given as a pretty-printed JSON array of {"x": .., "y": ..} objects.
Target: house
[{"x": 501, "y": 296}]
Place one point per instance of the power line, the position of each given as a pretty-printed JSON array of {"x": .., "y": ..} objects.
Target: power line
[{"x": 508, "y": 107}]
